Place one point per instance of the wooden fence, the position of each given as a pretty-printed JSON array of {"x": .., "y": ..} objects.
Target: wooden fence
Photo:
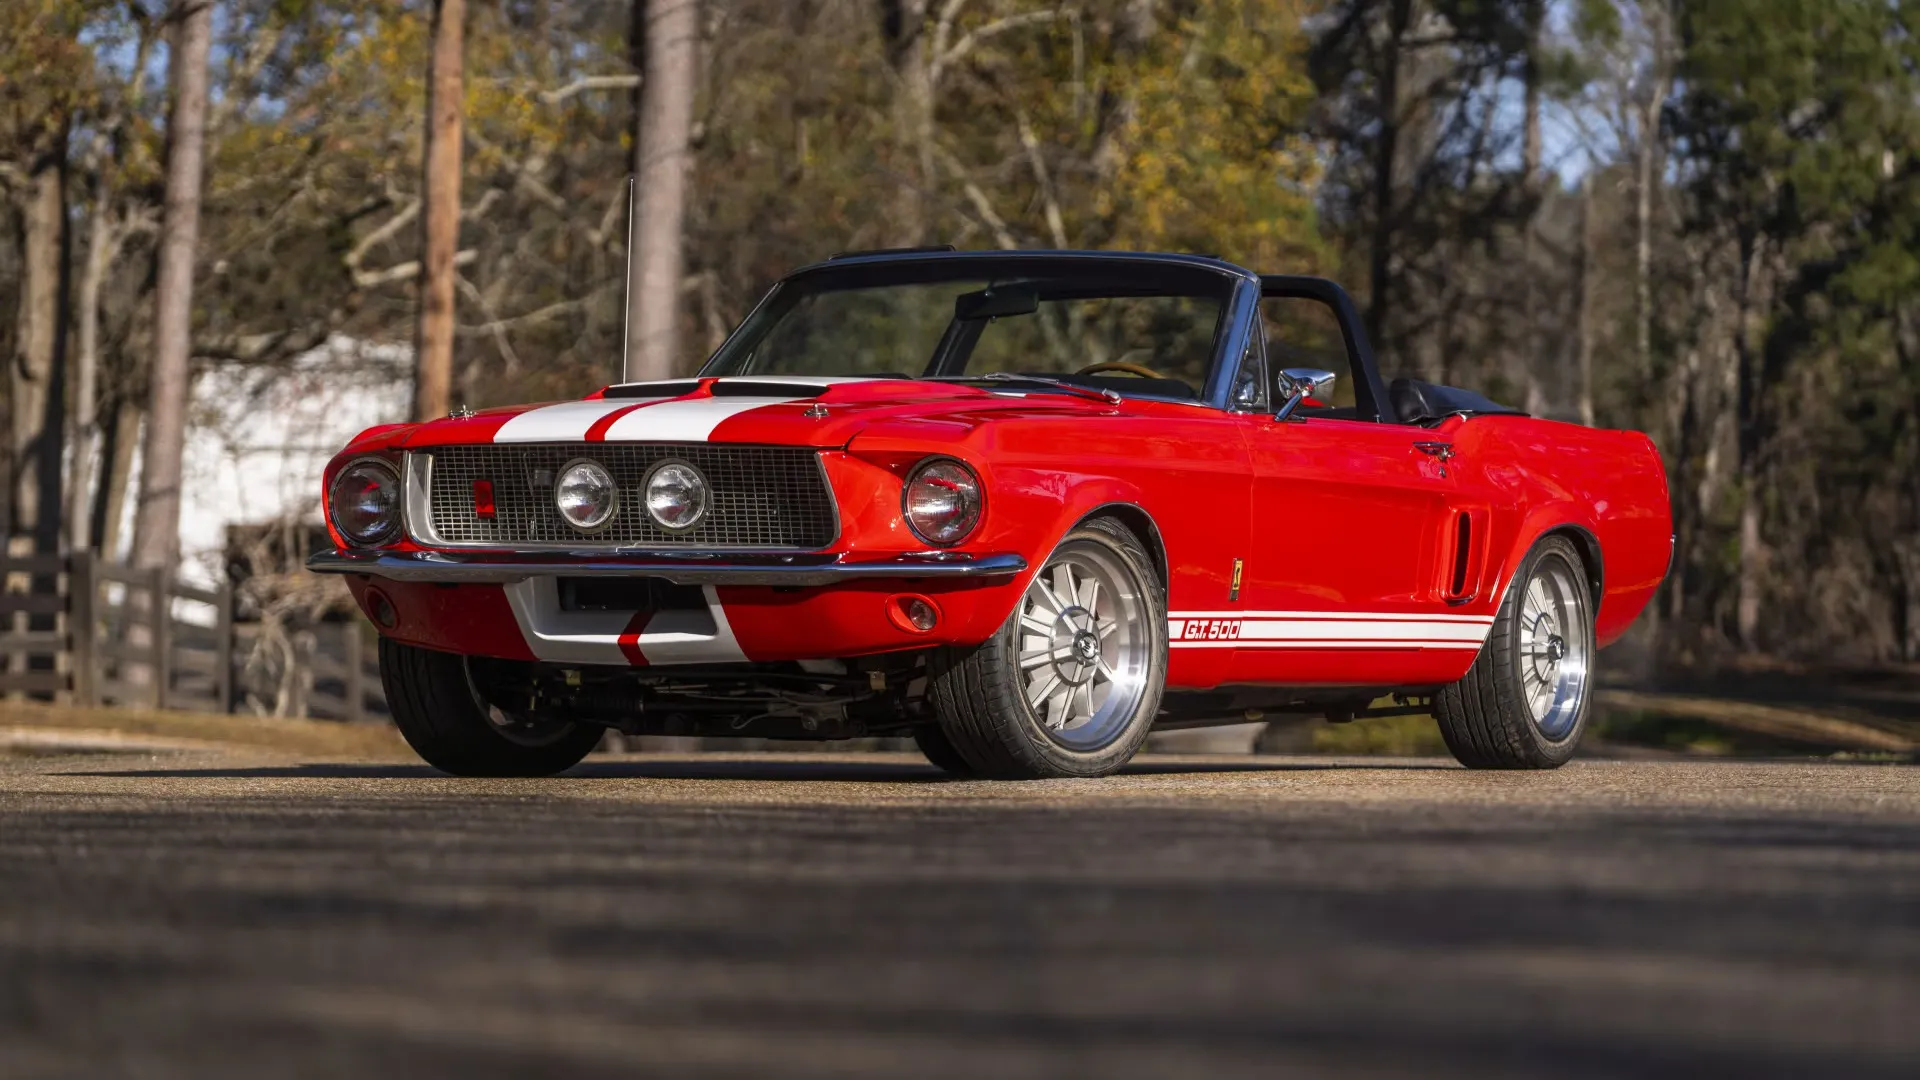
[{"x": 83, "y": 630}]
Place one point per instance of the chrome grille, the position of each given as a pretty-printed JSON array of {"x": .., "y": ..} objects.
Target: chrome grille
[{"x": 769, "y": 497}]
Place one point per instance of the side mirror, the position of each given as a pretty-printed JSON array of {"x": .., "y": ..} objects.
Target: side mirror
[{"x": 1299, "y": 384}]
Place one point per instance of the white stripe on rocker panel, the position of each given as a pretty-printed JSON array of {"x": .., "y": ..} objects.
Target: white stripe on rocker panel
[
  {"x": 565, "y": 422},
  {"x": 1324, "y": 644},
  {"x": 692, "y": 420},
  {"x": 1342, "y": 615},
  {"x": 1342, "y": 630}
]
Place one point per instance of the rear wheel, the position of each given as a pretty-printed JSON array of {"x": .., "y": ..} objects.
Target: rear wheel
[
  {"x": 1525, "y": 701},
  {"x": 1071, "y": 683},
  {"x": 447, "y": 722}
]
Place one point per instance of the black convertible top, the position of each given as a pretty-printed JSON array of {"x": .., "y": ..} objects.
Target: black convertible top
[{"x": 1416, "y": 402}]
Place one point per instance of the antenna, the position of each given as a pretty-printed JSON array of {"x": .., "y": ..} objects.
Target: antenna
[{"x": 626, "y": 312}]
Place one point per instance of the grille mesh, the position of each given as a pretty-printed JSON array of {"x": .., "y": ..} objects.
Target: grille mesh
[{"x": 759, "y": 496}]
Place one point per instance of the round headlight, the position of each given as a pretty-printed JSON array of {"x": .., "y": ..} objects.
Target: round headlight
[
  {"x": 676, "y": 495},
  {"x": 941, "y": 501},
  {"x": 365, "y": 502},
  {"x": 586, "y": 495}
]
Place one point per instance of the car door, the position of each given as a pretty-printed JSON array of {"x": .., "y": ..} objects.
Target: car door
[{"x": 1346, "y": 578}]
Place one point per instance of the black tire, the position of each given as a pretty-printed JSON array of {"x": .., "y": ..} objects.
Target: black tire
[
  {"x": 1485, "y": 718},
  {"x": 939, "y": 751},
  {"x": 440, "y": 715},
  {"x": 977, "y": 692}
]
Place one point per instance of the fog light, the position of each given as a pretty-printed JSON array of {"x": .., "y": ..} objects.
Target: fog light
[
  {"x": 921, "y": 614},
  {"x": 380, "y": 610},
  {"x": 914, "y": 614},
  {"x": 676, "y": 495},
  {"x": 586, "y": 495}
]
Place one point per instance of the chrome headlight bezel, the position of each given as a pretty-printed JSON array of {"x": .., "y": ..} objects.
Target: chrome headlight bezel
[
  {"x": 389, "y": 526},
  {"x": 606, "y": 513},
  {"x": 968, "y": 482}
]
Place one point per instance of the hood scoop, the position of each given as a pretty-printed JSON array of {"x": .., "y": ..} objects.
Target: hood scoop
[{"x": 666, "y": 389}]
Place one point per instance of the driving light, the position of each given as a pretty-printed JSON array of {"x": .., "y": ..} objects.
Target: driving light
[
  {"x": 921, "y": 614},
  {"x": 941, "y": 501},
  {"x": 586, "y": 495},
  {"x": 365, "y": 502},
  {"x": 676, "y": 495}
]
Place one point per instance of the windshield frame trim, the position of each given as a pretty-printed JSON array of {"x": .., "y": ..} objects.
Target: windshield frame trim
[{"x": 1238, "y": 314}]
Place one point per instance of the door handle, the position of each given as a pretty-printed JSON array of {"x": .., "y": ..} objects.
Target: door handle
[{"x": 1441, "y": 450}]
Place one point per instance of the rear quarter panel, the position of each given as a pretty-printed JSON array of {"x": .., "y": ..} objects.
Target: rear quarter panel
[{"x": 1538, "y": 476}]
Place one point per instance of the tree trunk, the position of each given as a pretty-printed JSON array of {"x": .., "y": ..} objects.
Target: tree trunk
[
  {"x": 1748, "y": 398},
  {"x": 655, "y": 265},
  {"x": 1385, "y": 163},
  {"x": 440, "y": 212},
  {"x": 156, "y": 529},
  {"x": 102, "y": 246},
  {"x": 116, "y": 457},
  {"x": 1646, "y": 158},
  {"x": 1583, "y": 294},
  {"x": 912, "y": 122},
  {"x": 39, "y": 363},
  {"x": 1530, "y": 196}
]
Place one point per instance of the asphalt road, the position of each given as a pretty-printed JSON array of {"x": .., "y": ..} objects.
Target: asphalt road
[{"x": 202, "y": 914}]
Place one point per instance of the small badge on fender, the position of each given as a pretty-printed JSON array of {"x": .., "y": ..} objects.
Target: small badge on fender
[{"x": 1234, "y": 593}]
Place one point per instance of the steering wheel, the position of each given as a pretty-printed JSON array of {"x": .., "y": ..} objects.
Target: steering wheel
[{"x": 1130, "y": 368}]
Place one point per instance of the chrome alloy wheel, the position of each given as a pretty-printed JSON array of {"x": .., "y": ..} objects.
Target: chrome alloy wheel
[
  {"x": 1555, "y": 647},
  {"x": 1084, "y": 647}
]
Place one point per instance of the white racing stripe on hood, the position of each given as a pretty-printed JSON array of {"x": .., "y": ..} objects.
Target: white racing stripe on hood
[
  {"x": 565, "y": 422},
  {"x": 692, "y": 420}
]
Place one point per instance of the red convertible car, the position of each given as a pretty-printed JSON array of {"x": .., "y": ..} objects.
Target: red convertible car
[{"x": 1024, "y": 507}]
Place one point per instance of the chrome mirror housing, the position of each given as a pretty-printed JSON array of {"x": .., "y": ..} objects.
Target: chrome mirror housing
[{"x": 1299, "y": 384}]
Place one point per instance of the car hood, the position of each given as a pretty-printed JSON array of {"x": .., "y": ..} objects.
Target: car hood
[{"x": 761, "y": 411}]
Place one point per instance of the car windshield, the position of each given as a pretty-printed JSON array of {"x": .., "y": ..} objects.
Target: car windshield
[{"x": 1139, "y": 331}]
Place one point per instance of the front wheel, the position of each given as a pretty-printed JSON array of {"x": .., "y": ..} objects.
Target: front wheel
[
  {"x": 1072, "y": 681},
  {"x": 1524, "y": 703},
  {"x": 447, "y": 722}
]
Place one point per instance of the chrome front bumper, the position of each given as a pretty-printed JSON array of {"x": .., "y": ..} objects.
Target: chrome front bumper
[{"x": 502, "y": 568}]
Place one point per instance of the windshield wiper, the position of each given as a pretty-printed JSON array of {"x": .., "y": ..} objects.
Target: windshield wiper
[{"x": 1107, "y": 396}]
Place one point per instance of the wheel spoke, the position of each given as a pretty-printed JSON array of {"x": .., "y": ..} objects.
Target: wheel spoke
[
  {"x": 1105, "y": 627},
  {"x": 1090, "y": 596},
  {"x": 1044, "y": 596},
  {"x": 1058, "y": 707},
  {"x": 1031, "y": 660},
  {"x": 1037, "y": 624},
  {"x": 1063, "y": 587},
  {"x": 1038, "y": 690}
]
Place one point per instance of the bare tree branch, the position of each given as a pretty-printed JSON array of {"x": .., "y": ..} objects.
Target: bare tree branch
[
  {"x": 406, "y": 271},
  {"x": 589, "y": 83},
  {"x": 972, "y": 39},
  {"x": 1049, "y": 197}
]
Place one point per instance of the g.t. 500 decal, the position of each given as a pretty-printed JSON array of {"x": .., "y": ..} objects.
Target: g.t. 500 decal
[{"x": 1205, "y": 630}]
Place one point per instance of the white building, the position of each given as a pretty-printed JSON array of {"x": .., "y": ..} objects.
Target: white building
[{"x": 258, "y": 438}]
